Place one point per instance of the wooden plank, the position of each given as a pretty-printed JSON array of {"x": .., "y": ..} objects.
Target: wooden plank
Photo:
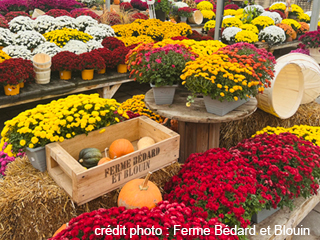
[
  {"x": 284, "y": 45},
  {"x": 202, "y": 137},
  {"x": 214, "y": 135},
  {"x": 191, "y": 138},
  {"x": 62, "y": 179},
  {"x": 182, "y": 132},
  {"x": 286, "y": 218},
  {"x": 46, "y": 94},
  {"x": 67, "y": 163},
  {"x": 197, "y": 113},
  {"x": 109, "y": 91}
]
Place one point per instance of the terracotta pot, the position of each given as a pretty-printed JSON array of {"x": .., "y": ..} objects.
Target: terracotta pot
[
  {"x": 102, "y": 71},
  {"x": 11, "y": 90},
  {"x": 65, "y": 75},
  {"x": 122, "y": 68},
  {"x": 87, "y": 74},
  {"x": 21, "y": 85}
]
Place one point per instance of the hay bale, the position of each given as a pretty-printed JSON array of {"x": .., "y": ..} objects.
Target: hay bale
[
  {"x": 307, "y": 114},
  {"x": 33, "y": 206}
]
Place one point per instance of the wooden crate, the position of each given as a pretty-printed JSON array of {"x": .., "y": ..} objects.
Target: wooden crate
[{"x": 85, "y": 185}]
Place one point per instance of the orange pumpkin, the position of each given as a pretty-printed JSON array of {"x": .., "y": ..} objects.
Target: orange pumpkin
[
  {"x": 120, "y": 147},
  {"x": 104, "y": 160},
  {"x": 139, "y": 193},
  {"x": 294, "y": 35},
  {"x": 116, "y": 2},
  {"x": 60, "y": 229}
]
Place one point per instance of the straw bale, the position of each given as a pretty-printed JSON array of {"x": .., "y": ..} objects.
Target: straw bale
[
  {"x": 307, "y": 114},
  {"x": 33, "y": 206}
]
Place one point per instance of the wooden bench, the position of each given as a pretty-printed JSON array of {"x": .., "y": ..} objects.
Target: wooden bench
[{"x": 106, "y": 85}]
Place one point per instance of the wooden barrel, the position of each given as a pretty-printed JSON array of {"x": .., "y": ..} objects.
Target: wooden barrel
[
  {"x": 37, "y": 13},
  {"x": 41, "y": 60},
  {"x": 284, "y": 96},
  {"x": 196, "y": 18},
  {"x": 311, "y": 74},
  {"x": 43, "y": 77}
]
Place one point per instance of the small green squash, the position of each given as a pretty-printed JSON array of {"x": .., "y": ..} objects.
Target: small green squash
[{"x": 89, "y": 157}]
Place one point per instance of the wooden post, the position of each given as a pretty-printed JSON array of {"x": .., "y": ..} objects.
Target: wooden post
[
  {"x": 219, "y": 17},
  {"x": 315, "y": 15}
]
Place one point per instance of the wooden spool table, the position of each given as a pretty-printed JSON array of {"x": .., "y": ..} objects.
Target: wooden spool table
[{"x": 198, "y": 129}]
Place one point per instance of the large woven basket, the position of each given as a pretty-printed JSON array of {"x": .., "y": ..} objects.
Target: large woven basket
[
  {"x": 311, "y": 74},
  {"x": 284, "y": 96}
]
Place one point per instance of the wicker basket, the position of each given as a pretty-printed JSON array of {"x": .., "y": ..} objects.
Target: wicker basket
[
  {"x": 311, "y": 74},
  {"x": 284, "y": 96}
]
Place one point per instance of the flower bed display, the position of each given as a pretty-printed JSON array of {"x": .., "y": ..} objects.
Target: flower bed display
[
  {"x": 59, "y": 120},
  {"x": 230, "y": 73},
  {"x": 163, "y": 217}
]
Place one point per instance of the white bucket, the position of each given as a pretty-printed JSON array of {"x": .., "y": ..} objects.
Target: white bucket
[
  {"x": 284, "y": 96},
  {"x": 41, "y": 60},
  {"x": 311, "y": 74},
  {"x": 43, "y": 77},
  {"x": 196, "y": 18},
  {"x": 314, "y": 52}
]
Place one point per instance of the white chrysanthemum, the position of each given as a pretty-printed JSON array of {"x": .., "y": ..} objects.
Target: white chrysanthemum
[
  {"x": 276, "y": 17},
  {"x": 230, "y": 32},
  {"x": 89, "y": 3},
  {"x": 15, "y": 51},
  {"x": 21, "y": 23},
  {"x": 251, "y": 8},
  {"x": 127, "y": 1},
  {"x": 30, "y": 39},
  {"x": 49, "y": 48},
  {"x": 62, "y": 22},
  {"x": 93, "y": 44},
  {"x": 76, "y": 47},
  {"x": 43, "y": 23},
  {"x": 180, "y": 4},
  {"x": 108, "y": 29},
  {"x": 99, "y": 32},
  {"x": 6, "y": 37},
  {"x": 83, "y": 21},
  {"x": 272, "y": 35}
]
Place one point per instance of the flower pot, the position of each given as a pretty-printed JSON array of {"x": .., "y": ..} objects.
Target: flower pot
[
  {"x": 87, "y": 74},
  {"x": 161, "y": 15},
  {"x": 11, "y": 90},
  {"x": 314, "y": 52},
  {"x": 221, "y": 108},
  {"x": 122, "y": 68},
  {"x": 21, "y": 85},
  {"x": 102, "y": 71},
  {"x": 183, "y": 19},
  {"x": 163, "y": 94},
  {"x": 263, "y": 214},
  {"x": 65, "y": 75},
  {"x": 37, "y": 157}
]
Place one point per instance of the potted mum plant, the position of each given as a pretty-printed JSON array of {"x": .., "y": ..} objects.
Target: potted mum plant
[
  {"x": 12, "y": 74},
  {"x": 88, "y": 62},
  {"x": 185, "y": 13},
  {"x": 225, "y": 88},
  {"x": 65, "y": 62},
  {"x": 162, "y": 8},
  {"x": 311, "y": 41},
  {"x": 161, "y": 67}
]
